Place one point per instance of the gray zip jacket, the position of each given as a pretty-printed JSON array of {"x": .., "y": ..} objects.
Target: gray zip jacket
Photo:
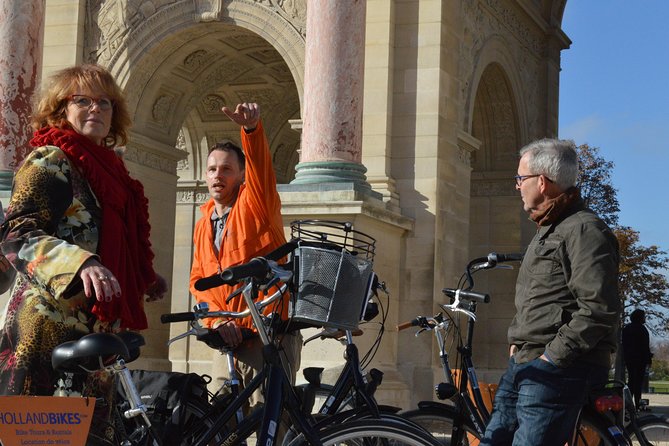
[{"x": 567, "y": 303}]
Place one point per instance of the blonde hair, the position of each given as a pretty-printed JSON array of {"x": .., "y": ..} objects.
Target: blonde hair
[{"x": 50, "y": 109}]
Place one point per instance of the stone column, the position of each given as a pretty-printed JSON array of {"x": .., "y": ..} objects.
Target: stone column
[
  {"x": 21, "y": 37},
  {"x": 333, "y": 92}
]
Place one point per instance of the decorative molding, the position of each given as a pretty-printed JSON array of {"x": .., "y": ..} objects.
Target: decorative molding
[
  {"x": 191, "y": 193},
  {"x": 147, "y": 152},
  {"x": 138, "y": 155},
  {"x": 467, "y": 145},
  {"x": 492, "y": 184}
]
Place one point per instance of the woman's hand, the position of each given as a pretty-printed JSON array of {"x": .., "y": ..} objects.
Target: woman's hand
[
  {"x": 99, "y": 280},
  {"x": 157, "y": 289}
]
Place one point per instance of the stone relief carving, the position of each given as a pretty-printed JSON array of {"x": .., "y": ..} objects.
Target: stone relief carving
[
  {"x": 161, "y": 109},
  {"x": 207, "y": 10},
  {"x": 213, "y": 103},
  {"x": 195, "y": 60},
  {"x": 192, "y": 195},
  {"x": 181, "y": 145},
  {"x": 487, "y": 18},
  {"x": 112, "y": 24}
]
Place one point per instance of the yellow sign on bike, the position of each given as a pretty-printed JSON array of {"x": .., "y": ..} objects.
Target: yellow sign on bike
[{"x": 45, "y": 420}]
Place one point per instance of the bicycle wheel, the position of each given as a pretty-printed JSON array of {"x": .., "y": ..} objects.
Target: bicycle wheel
[
  {"x": 198, "y": 417},
  {"x": 654, "y": 428},
  {"x": 372, "y": 433},
  {"x": 592, "y": 430},
  {"x": 439, "y": 423}
]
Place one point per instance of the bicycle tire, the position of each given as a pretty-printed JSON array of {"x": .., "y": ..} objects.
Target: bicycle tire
[
  {"x": 592, "y": 431},
  {"x": 438, "y": 421},
  {"x": 654, "y": 428},
  {"x": 200, "y": 417},
  {"x": 372, "y": 433}
]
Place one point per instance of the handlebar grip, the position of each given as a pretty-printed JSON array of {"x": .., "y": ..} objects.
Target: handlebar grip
[
  {"x": 408, "y": 324},
  {"x": 211, "y": 282},
  {"x": 282, "y": 251},
  {"x": 471, "y": 296},
  {"x": 257, "y": 267},
  {"x": 512, "y": 257},
  {"x": 177, "y": 317}
]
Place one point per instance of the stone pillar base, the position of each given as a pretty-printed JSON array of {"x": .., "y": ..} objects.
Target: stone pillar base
[
  {"x": 316, "y": 172},
  {"x": 6, "y": 178}
]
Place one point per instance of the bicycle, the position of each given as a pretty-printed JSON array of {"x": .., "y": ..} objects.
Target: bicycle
[
  {"x": 263, "y": 273},
  {"x": 131, "y": 419},
  {"x": 601, "y": 421}
]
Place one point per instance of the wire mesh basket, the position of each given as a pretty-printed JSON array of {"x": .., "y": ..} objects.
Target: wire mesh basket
[{"x": 333, "y": 272}]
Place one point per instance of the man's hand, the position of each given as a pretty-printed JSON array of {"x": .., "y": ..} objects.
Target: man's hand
[
  {"x": 246, "y": 115},
  {"x": 231, "y": 333}
]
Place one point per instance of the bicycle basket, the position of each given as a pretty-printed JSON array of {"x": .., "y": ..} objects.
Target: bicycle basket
[{"x": 333, "y": 272}]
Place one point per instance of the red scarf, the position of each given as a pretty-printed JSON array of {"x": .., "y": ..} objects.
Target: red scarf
[
  {"x": 124, "y": 247},
  {"x": 550, "y": 210}
]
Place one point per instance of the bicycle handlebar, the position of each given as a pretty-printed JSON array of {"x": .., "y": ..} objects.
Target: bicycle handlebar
[
  {"x": 202, "y": 314},
  {"x": 420, "y": 321},
  {"x": 471, "y": 296},
  {"x": 258, "y": 267},
  {"x": 177, "y": 317}
]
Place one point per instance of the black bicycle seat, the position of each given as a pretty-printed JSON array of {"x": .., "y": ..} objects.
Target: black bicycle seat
[
  {"x": 91, "y": 352},
  {"x": 133, "y": 341}
]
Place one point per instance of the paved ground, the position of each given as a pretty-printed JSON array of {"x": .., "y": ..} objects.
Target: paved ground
[{"x": 658, "y": 403}]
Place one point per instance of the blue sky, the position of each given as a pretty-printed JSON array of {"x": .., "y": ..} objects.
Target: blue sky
[{"x": 614, "y": 94}]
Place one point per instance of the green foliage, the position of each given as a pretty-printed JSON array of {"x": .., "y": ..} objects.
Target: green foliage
[
  {"x": 641, "y": 282},
  {"x": 659, "y": 369},
  {"x": 595, "y": 184}
]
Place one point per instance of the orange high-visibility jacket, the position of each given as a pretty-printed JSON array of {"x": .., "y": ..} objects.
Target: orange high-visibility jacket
[{"x": 253, "y": 228}]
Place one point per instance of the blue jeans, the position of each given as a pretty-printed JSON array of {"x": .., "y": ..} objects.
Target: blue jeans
[{"x": 537, "y": 403}]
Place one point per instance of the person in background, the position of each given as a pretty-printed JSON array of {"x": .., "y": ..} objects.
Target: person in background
[
  {"x": 77, "y": 234},
  {"x": 636, "y": 351},
  {"x": 241, "y": 220},
  {"x": 567, "y": 307}
]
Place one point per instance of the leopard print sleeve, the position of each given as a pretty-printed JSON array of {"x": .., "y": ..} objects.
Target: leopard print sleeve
[{"x": 42, "y": 198}]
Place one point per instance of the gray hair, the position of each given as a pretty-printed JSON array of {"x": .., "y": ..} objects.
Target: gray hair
[{"x": 554, "y": 158}]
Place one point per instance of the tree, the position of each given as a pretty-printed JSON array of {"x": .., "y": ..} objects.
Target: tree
[
  {"x": 641, "y": 282},
  {"x": 595, "y": 184}
]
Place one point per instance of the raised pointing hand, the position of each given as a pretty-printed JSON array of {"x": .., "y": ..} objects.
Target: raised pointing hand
[{"x": 246, "y": 114}]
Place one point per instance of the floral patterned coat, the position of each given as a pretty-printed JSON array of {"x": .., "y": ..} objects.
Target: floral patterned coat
[{"x": 52, "y": 226}]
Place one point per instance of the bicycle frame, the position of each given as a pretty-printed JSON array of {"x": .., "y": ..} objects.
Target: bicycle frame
[{"x": 279, "y": 390}]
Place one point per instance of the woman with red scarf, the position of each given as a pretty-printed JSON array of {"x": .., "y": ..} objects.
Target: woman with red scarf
[{"x": 76, "y": 232}]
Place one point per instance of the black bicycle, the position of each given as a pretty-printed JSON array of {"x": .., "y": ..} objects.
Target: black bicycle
[
  {"x": 264, "y": 273},
  {"x": 607, "y": 418}
]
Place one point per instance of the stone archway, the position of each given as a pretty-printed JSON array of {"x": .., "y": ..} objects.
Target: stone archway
[
  {"x": 494, "y": 212},
  {"x": 178, "y": 63}
]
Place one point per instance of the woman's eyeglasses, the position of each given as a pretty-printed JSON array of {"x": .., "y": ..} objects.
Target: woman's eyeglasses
[{"x": 83, "y": 101}]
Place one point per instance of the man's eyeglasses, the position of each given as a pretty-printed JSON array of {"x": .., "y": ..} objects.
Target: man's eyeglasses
[
  {"x": 520, "y": 178},
  {"x": 83, "y": 101}
]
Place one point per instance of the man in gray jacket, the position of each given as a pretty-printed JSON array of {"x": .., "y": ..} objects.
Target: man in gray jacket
[{"x": 567, "y": 306}]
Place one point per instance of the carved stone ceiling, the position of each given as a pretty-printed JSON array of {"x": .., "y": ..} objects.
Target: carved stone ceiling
[
  {"x": 205, "y": 69},
  {"x": 186, "y": 79}
]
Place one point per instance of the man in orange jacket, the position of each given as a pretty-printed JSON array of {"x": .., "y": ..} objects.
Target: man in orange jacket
[{"x": 240, "y": 221}]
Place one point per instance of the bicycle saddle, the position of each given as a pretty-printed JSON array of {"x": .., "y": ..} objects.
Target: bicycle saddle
[
  {"x": 133, "y": 341},
  {"x": 91, "y": 352}
]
